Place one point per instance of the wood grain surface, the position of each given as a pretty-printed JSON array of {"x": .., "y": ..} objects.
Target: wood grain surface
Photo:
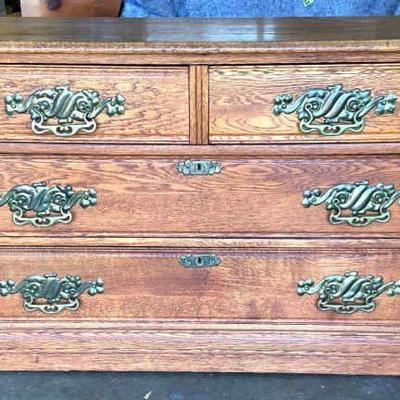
[
  {"x": 156, "y": 108},
  {"x": 245, "y": 314},
  {"x": 347, "y": 347},
  {"x": 250, "y": 197},
  {"x": 247, "y": 285},
  {"x": 199, "y": 104},
  {"x": 241, "y": 101},
  {"x": 194, "y": 151},
  {"x": 199, "y": 41},
  {"x": 382, "y": 31}
]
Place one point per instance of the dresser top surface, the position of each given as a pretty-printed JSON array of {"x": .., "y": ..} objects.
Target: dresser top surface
[
  {"x": 198, "y": 32},
  {"x": 201, "y": 41}
]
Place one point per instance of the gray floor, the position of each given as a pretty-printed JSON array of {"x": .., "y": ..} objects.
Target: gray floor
[{"x": 137, "y": 386}]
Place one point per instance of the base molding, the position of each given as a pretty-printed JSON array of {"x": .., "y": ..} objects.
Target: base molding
[{"x": 201, "y": 346}]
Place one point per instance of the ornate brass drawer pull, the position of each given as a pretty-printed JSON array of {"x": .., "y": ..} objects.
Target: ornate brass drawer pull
[
  {"x": 199, "y": 167},
  {"x": 43, "y": 206},
  {"x": 50, "y": 294},
  {"x": 199, "y": 260},
  {"x": 333, "y": 111},
  {"x": 357, "y": 204},
  {"x": 348, "y": 293},
  {"x": 63, "y": 112}
]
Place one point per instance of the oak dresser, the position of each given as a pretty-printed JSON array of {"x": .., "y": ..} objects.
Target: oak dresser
[{"x": 200, "y": 195}]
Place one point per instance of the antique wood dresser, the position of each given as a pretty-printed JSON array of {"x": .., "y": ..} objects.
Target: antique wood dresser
[{"x": 200, "y": 195}]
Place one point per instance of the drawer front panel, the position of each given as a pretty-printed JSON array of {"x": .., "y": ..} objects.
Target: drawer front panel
[
  {"x": 243, "y": 101},
  {"x": 244, "y": 285},
  {"x": 131, "y": 104},
  {"x": 149, "y": 197}
]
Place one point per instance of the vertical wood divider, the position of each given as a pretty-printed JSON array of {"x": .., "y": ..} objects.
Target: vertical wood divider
[{"x": 198, "y": 104}]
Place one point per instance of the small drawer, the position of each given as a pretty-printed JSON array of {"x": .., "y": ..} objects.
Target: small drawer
[
  {"x": 93, "y": 104},
  {"x": 100, "y": 196},
  {"x": 238, "y": 285},
  {"x": 322, "y": 103}
]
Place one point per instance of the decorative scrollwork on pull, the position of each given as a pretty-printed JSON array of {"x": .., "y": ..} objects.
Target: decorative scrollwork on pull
[
  {"x": 63, "y": 112},
  {"x": 199, "y": 167},
  {"x": 357, "y": 204},
  {"x": 348, "y": 293},
  {"x": 49, "y": 294},
  {"x": 42, "y": 205},
  {"x": 199, "y": 260},
  {"x": 334, "y": 111}
]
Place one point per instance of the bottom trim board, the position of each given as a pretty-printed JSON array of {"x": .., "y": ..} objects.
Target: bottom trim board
[{"x": 201, "y": 346}]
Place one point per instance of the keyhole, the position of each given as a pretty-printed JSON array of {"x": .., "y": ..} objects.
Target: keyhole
[
  {"x": 200, "y": 167},
  {"x": 199, "y": 261}
]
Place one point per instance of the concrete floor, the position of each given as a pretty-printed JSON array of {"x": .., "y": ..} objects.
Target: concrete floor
[{"x": 137, "y": 386}]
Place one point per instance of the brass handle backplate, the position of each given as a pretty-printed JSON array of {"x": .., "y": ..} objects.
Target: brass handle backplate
[
  {"x": 63, "y": 112},
  {"x": 357, "y": 204},
  {"x": 42, "y": 206},
  {"x": 333, "y": 110},
  {"x": 199, "y": 260},
  {"x": 199, "y": 167},
  {"x": 348, "y": 293},
  {"x": 49, "y": 294}
]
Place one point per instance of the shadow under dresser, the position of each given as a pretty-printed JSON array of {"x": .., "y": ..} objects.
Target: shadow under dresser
[{"x": 200, "y": 195}]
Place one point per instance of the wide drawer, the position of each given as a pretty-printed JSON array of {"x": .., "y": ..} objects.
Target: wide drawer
[
  {"x": 93, "y": 104},
  {"x": 101, "y": 196},
  {"x": 257, "y": 104},
  {"x": 239, "y": 284}
]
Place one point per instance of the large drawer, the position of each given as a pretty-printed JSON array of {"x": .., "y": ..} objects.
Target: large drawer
[
  {"x": 241, "y": 284},
  {"x": 247, "y": 103},
  {"x": 94, "y": 104},
  {"x": 284, "y": 196}
]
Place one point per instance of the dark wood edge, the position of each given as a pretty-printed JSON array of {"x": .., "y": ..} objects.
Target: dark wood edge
[
  {"x": 48, "y": 149},
  {"x": 337, "y": 55},
  {"x": 208, "y": 346},
  {"x": 17, "y": 242},
  {"x": 201, "y": 48},
  {"x": 173, "y": 245}
]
